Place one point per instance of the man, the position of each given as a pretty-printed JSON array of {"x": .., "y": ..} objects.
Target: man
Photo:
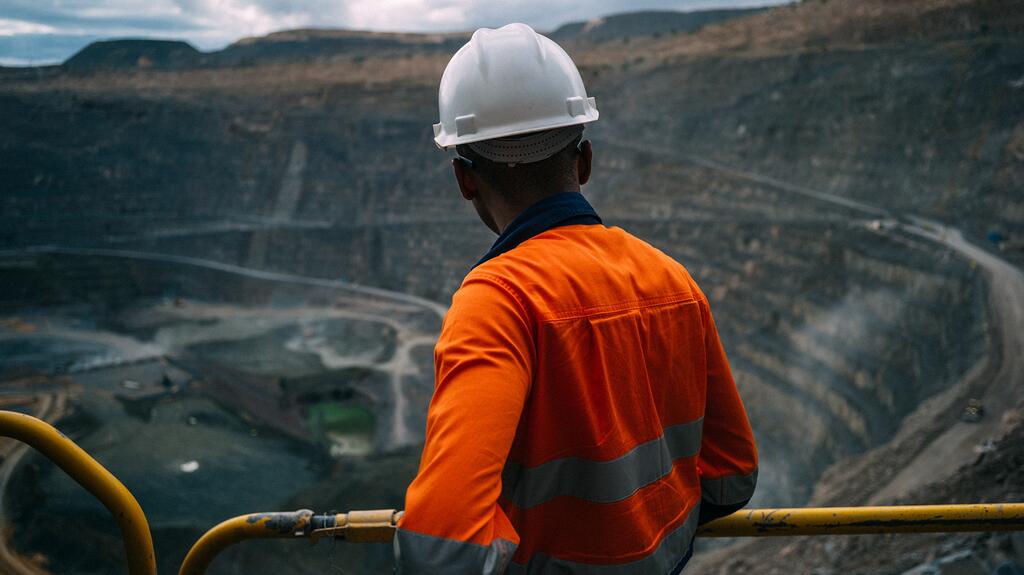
[{"x": 584, "y": 418}]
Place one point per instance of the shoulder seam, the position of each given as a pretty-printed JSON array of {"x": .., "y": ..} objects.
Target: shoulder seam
[
  {"x": 568, "y": 315},
  {"x": 506, "y": 287}
]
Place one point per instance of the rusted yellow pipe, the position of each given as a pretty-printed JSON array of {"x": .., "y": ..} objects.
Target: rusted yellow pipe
[
  {"x": 357, "y": 526},
  {"x": 379, "y": 525},
  {"x": 277, "y": 525},
  {"x": 864, "y": 520},
  {"x": 87, "y": 472}
]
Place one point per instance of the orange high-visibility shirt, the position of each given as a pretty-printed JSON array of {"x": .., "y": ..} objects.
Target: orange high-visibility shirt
[{"x": 583, "y": 408}]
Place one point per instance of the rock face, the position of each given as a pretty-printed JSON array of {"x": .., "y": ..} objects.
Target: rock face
[
  {"x": 993, "y": 476},
  {"x": 299, "y": 45},
  {"x": 777, "y": 154}
]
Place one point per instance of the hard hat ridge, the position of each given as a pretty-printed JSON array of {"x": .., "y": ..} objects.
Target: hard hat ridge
[
  {"x": 506, "y": 82},
  {"x": 483, "y": 37}
]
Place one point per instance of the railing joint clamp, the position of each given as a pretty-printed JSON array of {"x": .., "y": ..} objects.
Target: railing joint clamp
[{"x": 360, "y": 526}]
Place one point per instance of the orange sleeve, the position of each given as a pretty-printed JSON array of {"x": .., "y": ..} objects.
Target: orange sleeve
[
  {"x": 728, "y": 455},
  {"x": 483, "y": 369}
]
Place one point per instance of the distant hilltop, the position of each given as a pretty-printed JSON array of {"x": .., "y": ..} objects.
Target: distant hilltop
[
  {"x": 648, "y": 23},
  {"x": 120, "y": 54},
  {"x": 313, "y": 43}
]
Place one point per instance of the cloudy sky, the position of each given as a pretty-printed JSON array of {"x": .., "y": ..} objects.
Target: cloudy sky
[{"x": 46, "y": 31}]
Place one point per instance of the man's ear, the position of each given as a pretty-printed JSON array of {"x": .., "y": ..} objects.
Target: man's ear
[
  {"x": 584, "y": 162},
  {"x": 464, "y": 176}
]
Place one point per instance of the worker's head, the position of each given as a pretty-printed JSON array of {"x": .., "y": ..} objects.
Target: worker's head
[
  {"x": 513, "y": 104},
  {"x": 495, "y": 177}
]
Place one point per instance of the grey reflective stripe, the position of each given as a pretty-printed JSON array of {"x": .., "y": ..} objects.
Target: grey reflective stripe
[
  {"x": 419, "y": 554},
  {"x": 728, "y": 490},
  {"x": 602, "y": 481},
  {"x": 665, "y": 557}
]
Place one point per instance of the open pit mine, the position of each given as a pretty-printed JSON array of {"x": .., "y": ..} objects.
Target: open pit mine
[{"x": 222, "y": 274}]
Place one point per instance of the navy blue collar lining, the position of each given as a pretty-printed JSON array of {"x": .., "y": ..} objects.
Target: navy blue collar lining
[{"x": 564, "y": 209}]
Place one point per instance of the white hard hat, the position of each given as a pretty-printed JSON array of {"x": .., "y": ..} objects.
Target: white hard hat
[{"x": 507, "y": 82}]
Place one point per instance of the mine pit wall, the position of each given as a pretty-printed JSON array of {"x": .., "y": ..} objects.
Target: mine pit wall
[
  {"x": 928, "y": 127},
  {"x": 832, "y": 354},
  {"x": 827, "y": 324},
  {"x": 835, "y": 332}
]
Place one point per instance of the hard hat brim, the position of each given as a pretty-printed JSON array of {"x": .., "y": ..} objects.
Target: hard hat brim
[{"x": 446, "y": 141}]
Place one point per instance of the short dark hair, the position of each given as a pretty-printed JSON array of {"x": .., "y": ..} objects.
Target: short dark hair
[{"x": 554, "y": 174}]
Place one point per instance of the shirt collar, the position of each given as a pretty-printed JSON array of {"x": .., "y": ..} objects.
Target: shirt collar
[{"x": 564, "y": 209}]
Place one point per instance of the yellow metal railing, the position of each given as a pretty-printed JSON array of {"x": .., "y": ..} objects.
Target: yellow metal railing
[
  {"x": 380, "y": 525},
  {"x": 356, "y": 526},
  {"x": 867, "y": 520},
  {"x": 138, "y": 542}
]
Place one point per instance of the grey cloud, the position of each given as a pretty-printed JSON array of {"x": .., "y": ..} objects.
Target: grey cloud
[
  {"x": 68, "y": 16},
  {"x": 74, "y": 27},
  {"x": 548, "y": 14}
]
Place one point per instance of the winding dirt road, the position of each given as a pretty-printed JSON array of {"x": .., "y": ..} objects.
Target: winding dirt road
[
  {"x": 433, "y": 306},
  {"x": 943, "y": 456},
  {"x": 49, "y": 408}
]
